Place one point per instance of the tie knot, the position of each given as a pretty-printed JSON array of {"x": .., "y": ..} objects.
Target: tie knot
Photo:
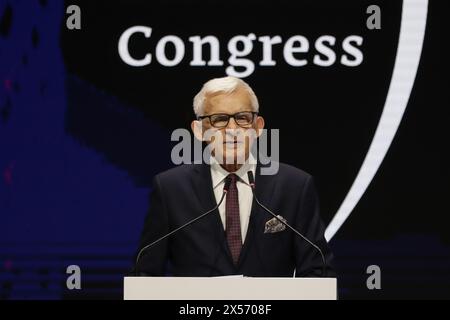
[{"x": 233, "y": 178}]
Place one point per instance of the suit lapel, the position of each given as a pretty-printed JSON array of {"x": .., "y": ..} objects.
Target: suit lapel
[
  {"x": 202, "y": 186},
  {"x": 264, "y": 187}
]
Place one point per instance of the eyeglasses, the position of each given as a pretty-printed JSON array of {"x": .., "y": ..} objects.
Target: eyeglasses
[{"x": 220, "y": 120}]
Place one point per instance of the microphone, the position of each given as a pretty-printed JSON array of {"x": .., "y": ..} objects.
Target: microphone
[
  {"x": 141, "y": 252},
  {"x": 251, "y": 181}
]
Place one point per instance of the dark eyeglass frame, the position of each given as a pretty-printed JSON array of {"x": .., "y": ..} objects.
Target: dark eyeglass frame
[{"x": 254, "y": 113}]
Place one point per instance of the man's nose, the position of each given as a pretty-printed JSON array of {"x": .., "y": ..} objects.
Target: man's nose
[{"x": 232, "y": 124}]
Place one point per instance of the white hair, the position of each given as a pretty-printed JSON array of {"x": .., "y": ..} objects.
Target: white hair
[{"x": 226, "y": 85}]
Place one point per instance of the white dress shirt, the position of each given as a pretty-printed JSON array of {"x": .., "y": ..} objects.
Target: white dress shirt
[{"x": 218, "y": 175}]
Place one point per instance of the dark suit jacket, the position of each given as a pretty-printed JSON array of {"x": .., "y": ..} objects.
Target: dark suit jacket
[{"x": 183, "y": 193}]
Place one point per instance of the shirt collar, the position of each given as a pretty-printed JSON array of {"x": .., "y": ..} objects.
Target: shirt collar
[{"x": 218, "y": 173}]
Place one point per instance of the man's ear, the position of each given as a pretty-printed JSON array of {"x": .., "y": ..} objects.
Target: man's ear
[
  {"x": 259, "y": 125},
  {"x": 197, "y": 129}
]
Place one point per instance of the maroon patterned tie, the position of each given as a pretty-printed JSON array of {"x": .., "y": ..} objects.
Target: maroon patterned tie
[{"x": 233, "y": 221}]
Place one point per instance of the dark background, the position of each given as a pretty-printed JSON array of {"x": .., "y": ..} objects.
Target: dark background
[{"x": 82, "y": 134}]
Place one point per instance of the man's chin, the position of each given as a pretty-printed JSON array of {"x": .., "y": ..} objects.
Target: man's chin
[{"x": 233, "y": 158}]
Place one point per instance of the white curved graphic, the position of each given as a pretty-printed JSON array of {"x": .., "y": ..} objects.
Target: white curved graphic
[{"x": 412, "y": 30}]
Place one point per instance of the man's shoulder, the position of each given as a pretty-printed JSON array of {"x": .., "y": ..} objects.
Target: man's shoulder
[
  {"x": 284, "y": 171},
  {"x": 287, "y": 171}
]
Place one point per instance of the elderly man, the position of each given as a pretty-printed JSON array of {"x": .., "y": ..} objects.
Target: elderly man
[{"x": 239, "y": 237}]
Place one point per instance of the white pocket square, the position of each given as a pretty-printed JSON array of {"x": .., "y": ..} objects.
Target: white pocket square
[{"x": 274, "y": 225}]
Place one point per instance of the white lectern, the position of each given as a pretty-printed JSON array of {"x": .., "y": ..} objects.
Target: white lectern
[{"x": 229, "y": 288}]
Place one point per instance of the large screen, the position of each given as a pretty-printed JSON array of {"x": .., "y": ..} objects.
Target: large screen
[{"x": 92, "y": 92}]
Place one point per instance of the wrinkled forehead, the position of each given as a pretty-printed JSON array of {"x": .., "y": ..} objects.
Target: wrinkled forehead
[{"x": 230, "y": 103}]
